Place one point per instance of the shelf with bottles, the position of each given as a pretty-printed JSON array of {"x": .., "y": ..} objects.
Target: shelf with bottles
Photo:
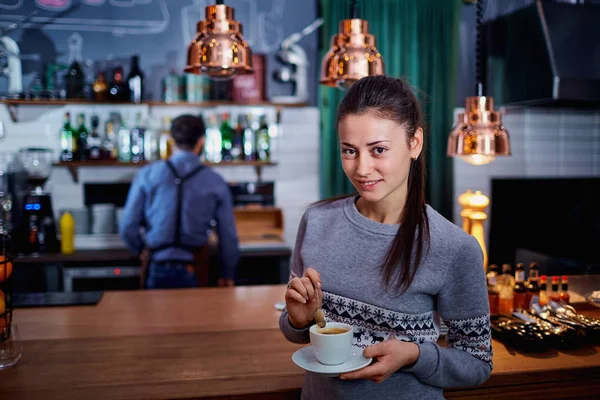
[
  {"x": 12, "y": 104},
  {"x": 207, "y": 103},
  {"x": 117, "y": 142},
  {"x": 73, "y": 166}
]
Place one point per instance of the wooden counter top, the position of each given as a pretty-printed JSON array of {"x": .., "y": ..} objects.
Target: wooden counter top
[{"x": 206, "y": 343}]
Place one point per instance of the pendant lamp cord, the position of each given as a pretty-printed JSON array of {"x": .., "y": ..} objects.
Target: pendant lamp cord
[
  {"x": 353, "y": 10},
  {"x": 478, "y": 50}
]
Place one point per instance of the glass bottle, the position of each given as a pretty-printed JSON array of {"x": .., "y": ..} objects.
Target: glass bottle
[
  {"x": 137, "y": 140},
  {"x": 151, "y": 140},
  {"x": 554, "y": 294},
  {"x": 533, "y": 286},
  {"x": 94, "y": 143},
  {"x": 82, "y": 137},
  {"x": 213, "y": 145},
  {"x": 226, "y": 137},
  {"x": 165, "y": 140},
  {"x": 543, "y": 291},
  {"x": 135, "y": 80},
  {"x": 119, "y": 91},
  {"x": 100, "y": 88},
  {"x": 75, "y": 78},
  {"x": 237, "y": 147},
  {"x": 124, "y": 141},
  {"x": 109, "y": 147},
  {"x": 506, "y": 294},
  {"x": 519, "y": 289},
  {"x": 263, "y": 148},
  {"x": 68, "y": 145},
  {"x": 493, "y": 288},
  {"x": 564, "y": 292},
  {"x": 249, "y": 140}
]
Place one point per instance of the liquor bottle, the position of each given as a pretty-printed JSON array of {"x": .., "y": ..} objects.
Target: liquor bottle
[
  {"x": 124, "y": 143},
  {"x": 249, "y": 140},
  {"x": 75, "y": 78},
  {"x": 263, "y": 148},
  {"x": 165, "y": 142},
  {"x": 533, "y": 286},
  {"x": 226, "y": 137},
  {"x": 135, "y": 80},
  {"x": 151, "y": 140},
  {"x": 82, "y": 137},
  {"x": 68, "y": 145},
  {"x": 137, "y": 140},
  {"x": 213, "y": 145},
  {"x": 543, "y": 291},
  {"x": 100, "y": 88},
  {"x": 554, "y": 295},
  {"x": 237, "y": 149},
  {"x": 493, "y": 288},
  {"x": 109, "y": 146},
  {"x": 94, "y": 142},
  {"x": 564, "y": 293},
  {"x": 520, "y": 290},
  {"x": 119, "y": 91},
  {"x": 506, "y": 294},
  {"x": 75, "y": 81}
]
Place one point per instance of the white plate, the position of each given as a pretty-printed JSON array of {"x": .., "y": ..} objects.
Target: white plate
[{"x": 305, "y": 359}]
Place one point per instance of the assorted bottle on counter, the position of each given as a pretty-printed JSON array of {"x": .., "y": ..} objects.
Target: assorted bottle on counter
[
  {"x": 141, "y": 141},
  {"x": 507, "y": 293}
]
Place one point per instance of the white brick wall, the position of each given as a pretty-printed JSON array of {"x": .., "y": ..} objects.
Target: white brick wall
[
  {"x": 544, "y": 143},
  {"x": 296, "y": 176}
]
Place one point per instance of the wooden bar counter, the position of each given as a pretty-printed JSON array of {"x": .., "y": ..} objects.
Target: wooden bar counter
[{"x": 221, "y": 343}]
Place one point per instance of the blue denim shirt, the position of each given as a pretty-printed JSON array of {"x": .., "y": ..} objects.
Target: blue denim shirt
[{"x": 151, "y": 209}]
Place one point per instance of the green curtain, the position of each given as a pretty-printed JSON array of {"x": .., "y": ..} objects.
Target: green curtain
[{"x": 418, "y": 40}]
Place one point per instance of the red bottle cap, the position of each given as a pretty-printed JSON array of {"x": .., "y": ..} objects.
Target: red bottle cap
[
  {"x": 565, "y": 278},
  {"x": 543, "y": 278},
  {"x": 555, "y": 279}
]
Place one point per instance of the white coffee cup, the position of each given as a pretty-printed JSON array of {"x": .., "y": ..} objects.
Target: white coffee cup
[{"x": 331, "y": 349}]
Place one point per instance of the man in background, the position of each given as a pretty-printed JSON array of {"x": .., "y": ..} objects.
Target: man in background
[{"x": 176, "y": 203}]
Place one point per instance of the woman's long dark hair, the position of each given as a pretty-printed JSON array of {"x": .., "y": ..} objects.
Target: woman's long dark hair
[{"x": 393, "y": 99}]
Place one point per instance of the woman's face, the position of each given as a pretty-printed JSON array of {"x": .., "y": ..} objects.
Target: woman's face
[{"x": 376, "y": 155}]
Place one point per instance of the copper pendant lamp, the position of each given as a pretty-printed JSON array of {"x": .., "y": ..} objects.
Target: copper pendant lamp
[
  {"x": 478, "y": 136},
  {"x": 352, "y": 55},
  {"x": 219, "y": 49}
]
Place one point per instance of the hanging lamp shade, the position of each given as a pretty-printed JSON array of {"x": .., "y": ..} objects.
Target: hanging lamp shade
[
  {"x": 352, "y": 55},
  {"x": 219, "y": 49},
  {"x": 478, "y": 135}
]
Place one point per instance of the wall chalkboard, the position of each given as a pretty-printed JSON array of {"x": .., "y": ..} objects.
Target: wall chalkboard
[{"x": 111, "y": 31}]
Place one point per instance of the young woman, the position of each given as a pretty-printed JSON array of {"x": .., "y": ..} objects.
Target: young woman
[{"x": 388, "y": 264}]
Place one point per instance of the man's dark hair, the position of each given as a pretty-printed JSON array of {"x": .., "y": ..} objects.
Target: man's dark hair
[{"x": 186, "y": 130}]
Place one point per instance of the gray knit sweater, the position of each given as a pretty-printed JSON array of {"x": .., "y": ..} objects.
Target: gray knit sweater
[{"x": 348, "y": 249}]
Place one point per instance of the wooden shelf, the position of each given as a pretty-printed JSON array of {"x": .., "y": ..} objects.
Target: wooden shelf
[
  {"x": 74, "y": 166},
  {"x": 208, "y": 103},
  {"x": 13, "y": 104}
]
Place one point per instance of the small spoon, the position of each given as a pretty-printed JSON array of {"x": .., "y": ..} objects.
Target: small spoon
[{"x": 319, "y": 314}]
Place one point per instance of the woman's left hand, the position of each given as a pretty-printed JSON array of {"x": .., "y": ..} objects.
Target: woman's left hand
[{"x": 391, "y": 355}]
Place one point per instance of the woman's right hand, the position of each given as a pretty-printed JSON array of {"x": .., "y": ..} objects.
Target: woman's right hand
[{"x": 302, "y": 298}]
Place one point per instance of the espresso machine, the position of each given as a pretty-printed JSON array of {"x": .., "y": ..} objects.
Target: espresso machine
[{"x": 36, "y": 227}]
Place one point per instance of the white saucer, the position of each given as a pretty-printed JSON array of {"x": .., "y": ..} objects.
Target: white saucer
[{"x": 305, "y": 359}]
